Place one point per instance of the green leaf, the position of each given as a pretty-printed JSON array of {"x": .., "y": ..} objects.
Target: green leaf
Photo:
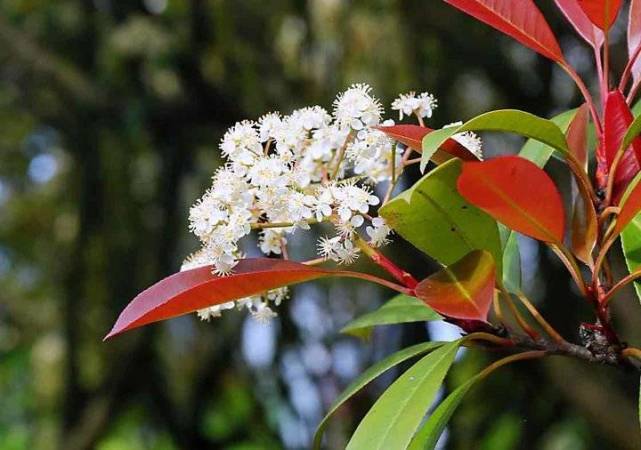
[
  {"x": 637, "y": 109},
  {"x": 631, "y": 244},
  {"x": 394, "y": 418},
  {"x": 633, "y": 132},
  {"x": 433, "y": 217},
  {"x": 427, "y": 437},
  {"x": 539, "y": 153},
  {"x": 400, "y": 309},
  {"x": 369, "y": 375},
  {"x": 508, "y": 120}
]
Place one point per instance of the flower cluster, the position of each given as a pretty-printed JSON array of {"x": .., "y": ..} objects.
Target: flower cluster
[{"x": 287, "y": 172}]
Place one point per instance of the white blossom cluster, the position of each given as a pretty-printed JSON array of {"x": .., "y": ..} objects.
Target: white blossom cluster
[{"x": 287, "y": 172}]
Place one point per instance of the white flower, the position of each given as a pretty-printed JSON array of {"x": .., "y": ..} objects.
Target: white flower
[
  {"x": 378, "y": 232},
  {"x": 328, "y": 247},
  {"x": 241, "y": 143},
  {"x": 352, "y": 199},
  {"x": 408, "y": 104},
  {"x": 271, "y": 241},
  {"x": 268, "y": 125},
  {"x": 347, "y": 253},
  {"x": 214, "y": 311},
  {"x": 262, "y": 313},
  {"x": 267, "y": 171},
  {"x": 312, "y": 117},
  {"x": 356, "y": 108},
  {"x": 468, "y": 139}
]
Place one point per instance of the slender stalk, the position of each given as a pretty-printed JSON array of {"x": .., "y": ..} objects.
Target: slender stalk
[
  {"x": 586, "y": 95},
  {"x": 570, "y": 263},
  {"x": 599, "y": 66},
  {"x": 601, "y": 257},
  {"x": 378, "y": 258},
  {"x": 519, "y": 318},
  {"x": 314, "y": 262},
  {"x": 634, "y": 91},
  {"x": 265, "y": 225},
  {"x": 534, "y": 354},
  {"x": 341, "y": 155},
  {"x": 487, "y": 337},
  {"x": 619, "y": 285},
  {"x": 607, "y": 212},
  {"x": 549, "y": 329},
  {"x": 627, "y": 72},
  {"x": 395, "y": 180},
  {"x": 631, "y": 352},
  {"x": 498, "y": 311}
]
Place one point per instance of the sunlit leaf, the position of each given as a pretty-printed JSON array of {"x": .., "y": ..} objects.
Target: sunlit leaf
[
  {"x": 412, "y": 136},
  {"x": 366, "y": 377},
  {"x": 602, "y": 13},
  {"x": 188, "y": 291},
  {"x": 394, "y": 418},
  {"x": 507, "y": 120},
  {"x": 581, "y": 22},
  {"x": 520, "y": 19},
  {"x": 539, "y": 153},
  {"x": 518, "y": 194},
  {"x": 400, "y": 309},
  {"x": 463, "y": 290},
  {"x": 434, "y": 218}
]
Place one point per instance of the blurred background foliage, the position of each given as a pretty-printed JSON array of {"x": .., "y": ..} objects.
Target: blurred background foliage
[{"x": 111, "y": 114}]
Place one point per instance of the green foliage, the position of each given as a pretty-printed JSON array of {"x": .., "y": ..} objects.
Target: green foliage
[
  {"x": 509, "y": 120},
  {"x": 400, "y": 309},
  {"x": 434, "y": 218},
  {"x": 631, "y": 245},
  {"x": 367, "y": 376},
  {"x": 394, "y": 418}
]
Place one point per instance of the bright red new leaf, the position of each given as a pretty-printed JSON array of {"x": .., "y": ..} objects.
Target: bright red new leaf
[
  {"x": 634, "y": 36},
  {"x": 517, "y": 193},
  {"x": 463, "y": 290},
  {"x": 630, "y": 207},
  {"x": 602, "y": 13},
  {"x": 617, "y": 120},
  {"x": 520, "y": 19},
  {"x": 581, "y": 22},
  {"x": 188, "y": 291},
  {"x": 412, "y": 136}
]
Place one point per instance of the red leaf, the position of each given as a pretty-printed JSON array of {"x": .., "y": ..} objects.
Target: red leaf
[
  {"x": 517, "y": 193},
  {"x": 463, "y": 290},
  {"x": 520, "y": 19},
  {"x": 188, "y": 291},
  {"x": 634, "y": 36},
  {"x": 581, "y": 22},
  {"x": 412, "y": 136},
  {"x": 630, "y": 207},
  {"x": 617, "y": 120},
  {"x": 602, "y": 13},
  {"x": 577, "y": 135}
]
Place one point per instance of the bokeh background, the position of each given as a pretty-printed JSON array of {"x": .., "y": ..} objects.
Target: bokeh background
[{"x": 110, "y": 117}]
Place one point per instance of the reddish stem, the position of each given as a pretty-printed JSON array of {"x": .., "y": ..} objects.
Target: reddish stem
[{"x": 381, "y": 260}]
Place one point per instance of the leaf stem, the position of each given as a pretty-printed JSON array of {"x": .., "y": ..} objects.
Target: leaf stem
[
  {"x": 519, "y": 318},
  {"x": 625, "y": 78},
  {"x": 533, "y": 354},
  {"x": 619, "y": 285},
  {"x": 570, "y": 263},
  {"x": 586, "y": 95},
  {"x": 378, "y": 258},
  {"x": 555, "y": 335}
]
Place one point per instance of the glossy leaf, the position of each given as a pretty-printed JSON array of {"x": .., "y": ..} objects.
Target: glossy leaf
[
  {"x": 464, "y": 290},
  {"x": 631, "y": 244},
  {"x": 412, "y": 136},
  {"x": 518, "y": 194},
  {"x": 577, "y": 135},
  {"x": 602, "y": 13},
  {"x": 433, "y": 217},
  {"x": 188, "y": 291},
  {"x": 630, "y": 205},
  {"x": 507, "y": 120},
  {"x": 539, "y": 153},
  {"x": 400, "y": 309},
  {"x": 394, "y": 418},
  {"x": 369, "y": 375},
  {"x": 581, "y": 22},
  {"x": 584, "y": 222},
  {"x": 617, "y": 120},
  {"x": 519, "y": 19},
  {"x": 634, "y": 36},
  {"x": 427, "y": 437}
]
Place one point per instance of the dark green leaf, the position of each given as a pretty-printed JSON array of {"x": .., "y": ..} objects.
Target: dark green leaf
[{"x": 631, "y": 243}]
